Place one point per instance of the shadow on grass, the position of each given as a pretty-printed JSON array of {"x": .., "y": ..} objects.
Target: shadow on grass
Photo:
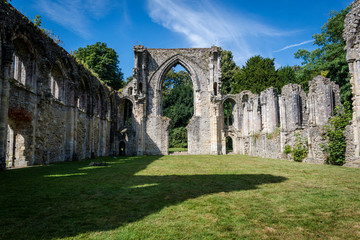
[{"x": 64, "y": 200}]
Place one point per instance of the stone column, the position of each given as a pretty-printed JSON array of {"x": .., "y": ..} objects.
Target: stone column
[
  {"x": 5, "y": 65},
  {"x": 351, "y": 37}
]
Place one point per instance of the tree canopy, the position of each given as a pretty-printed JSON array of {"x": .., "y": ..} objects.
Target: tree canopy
[
  {"x": 258, "y": 74},
  {"x": 103, "y": 61},
  {"x": 329, "y": 59}
]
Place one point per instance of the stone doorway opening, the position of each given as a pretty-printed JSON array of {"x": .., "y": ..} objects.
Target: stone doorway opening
[
  {"x": 15, "y": 151},
  {"x": 229, "y": 145},
  {"x": 178, "y": 105}
]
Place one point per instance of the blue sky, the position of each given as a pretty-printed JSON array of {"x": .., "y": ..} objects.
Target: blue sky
[{"x": 274, "y": 29}]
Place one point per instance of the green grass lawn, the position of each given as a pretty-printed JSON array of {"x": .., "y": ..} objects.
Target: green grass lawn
[
  {"x": 178, "y": 149},
  {"x": 181, "y": 197}
]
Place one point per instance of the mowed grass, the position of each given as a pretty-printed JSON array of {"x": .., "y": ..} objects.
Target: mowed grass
[
  {"x": 178, "y": 149},
  {"x": 181, "y": 197}
]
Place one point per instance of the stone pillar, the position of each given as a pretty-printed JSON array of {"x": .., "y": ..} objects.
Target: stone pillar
[
  {"x": 292, "y": 109},
  {"x": 5, "y": 65},
  {"x": 215, "y": 100},
  {"x": 323, "y": 96},
  {"x": 269, "y": 110},
  {"x": 140, "y": 80}
]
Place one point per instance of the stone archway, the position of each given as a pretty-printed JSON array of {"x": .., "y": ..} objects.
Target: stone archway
[{"x": 204, "y": 68}]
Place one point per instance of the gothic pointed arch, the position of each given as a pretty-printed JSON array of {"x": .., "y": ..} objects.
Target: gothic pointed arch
[{"x": 159, "y": 75}]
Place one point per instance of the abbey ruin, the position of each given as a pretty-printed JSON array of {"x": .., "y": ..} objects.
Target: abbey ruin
[{"x": 53, "y": 109}]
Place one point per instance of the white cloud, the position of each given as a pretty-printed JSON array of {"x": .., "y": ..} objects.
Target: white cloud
[
  {"x": 294, "y": 45},
  {"x": 75, "y": 15},
  {"x": 203, "y": 24}
]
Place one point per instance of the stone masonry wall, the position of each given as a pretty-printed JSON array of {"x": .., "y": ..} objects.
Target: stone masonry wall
[
  {"x": 268, "y": 122},
  {"x": 52, "y": 109},
  {"x": 351, "y": 36}
]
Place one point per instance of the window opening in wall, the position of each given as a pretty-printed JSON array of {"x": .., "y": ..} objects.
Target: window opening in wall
[
  {"x": 54, "y": 86},
  {"x": 97, "y": 109},
  {"x": 178, "y": 105},
  {"x": 140, "y": 88},
  {"x": 23, "y": 65},
  {"x": 215, "y": 89},
  {"x": 130, "y": 92},
  {"x": 128, "y": 113},
  {"x": 228, "y": 107},
  {"x": 57, "y": 82},
  {"x": 19, "y": 71},
  {"x": 229, "y": 145}
]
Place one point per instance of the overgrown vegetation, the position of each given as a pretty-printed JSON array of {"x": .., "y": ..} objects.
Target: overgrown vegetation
[
  {"x": 37, "y": 22},
  {"x": 273, "y": 134},
  {"x": 104, "y": 61},
  {"x": 300, "y": 149},
  {"x": 335, "y": 145},
  {"x": 180, "y": 197}
]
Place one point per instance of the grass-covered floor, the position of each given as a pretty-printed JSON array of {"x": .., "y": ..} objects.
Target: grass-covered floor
[
  {"x": 178, "y": 149},
  {"x": 181, "y": 197}
]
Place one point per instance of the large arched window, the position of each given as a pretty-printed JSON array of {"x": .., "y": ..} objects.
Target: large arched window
[
  {"x": 23, "y": 63},
  {"x": 83, "y": 95},
  {"x": 178, "y": 105},
  {"x": 128, "y": 113},
  {"x": 57, "y": 83},
  {"x": 228, "y": 107}
]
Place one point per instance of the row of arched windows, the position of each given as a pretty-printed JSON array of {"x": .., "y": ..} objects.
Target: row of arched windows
[{"x": 23, "y": 70}]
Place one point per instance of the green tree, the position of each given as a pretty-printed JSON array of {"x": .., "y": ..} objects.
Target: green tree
[
  {"x": 329, "y": 57},
  {"x": 258, "y": 74},
  {"x": 228, "y": 71},
  {"x": 178, "y": 99},
  {"x": 103, "y": 61},
  {"x": 286, "y": 75}
]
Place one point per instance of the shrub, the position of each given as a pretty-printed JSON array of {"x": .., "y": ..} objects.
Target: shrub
[
  {"x": 287, "y": 149},
  {"x": 335, "y": 146},
  {"x": 300, "y": 149},
  {"x": 178, "y": 138}
]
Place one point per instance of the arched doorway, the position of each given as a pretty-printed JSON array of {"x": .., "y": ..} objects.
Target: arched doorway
[
  {"x": 229, "y": 145},
  {"x": 178, "y": 105},
  {"x": 16, "y": 146},
  {"x": 150, "y": 68}
]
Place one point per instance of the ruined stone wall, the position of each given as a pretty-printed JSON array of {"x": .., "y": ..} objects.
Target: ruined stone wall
[
  {"x": 145, "y": 91},
  {"x": 52, "y": 109},
  {"x": 265, "y": 123},
  {"x": 352, "y": 38},
  {"x": 261, "y": 124}
]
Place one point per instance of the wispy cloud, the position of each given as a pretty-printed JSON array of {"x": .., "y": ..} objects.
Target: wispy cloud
[
  {"x": 294, "y": 45},
  {"x": 204, "y": 24},
  {"x": 75, "y": 15}
]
